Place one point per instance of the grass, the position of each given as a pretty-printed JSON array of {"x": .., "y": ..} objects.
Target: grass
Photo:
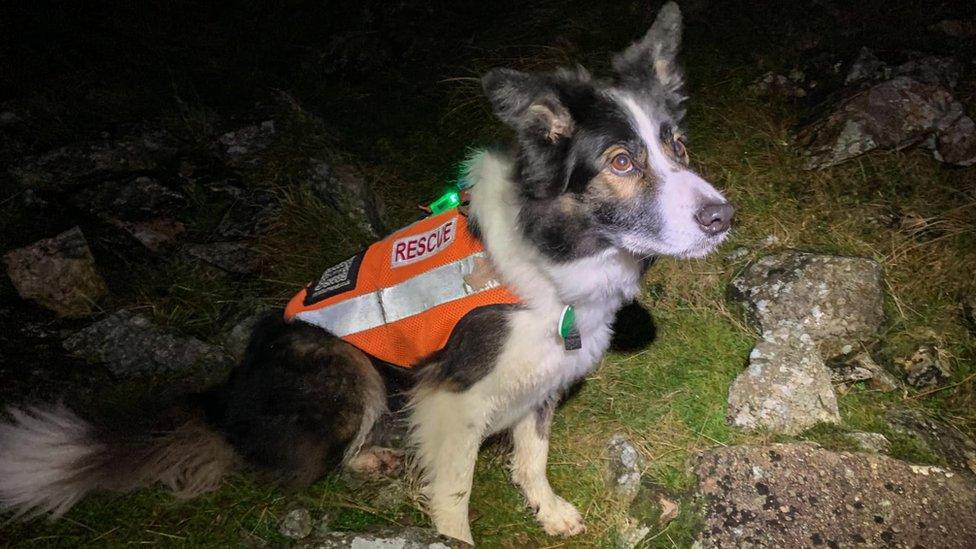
[{"x": 406, "y": 126}]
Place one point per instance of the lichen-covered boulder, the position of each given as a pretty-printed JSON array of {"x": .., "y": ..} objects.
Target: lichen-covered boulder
[
  {"x": 785, "y": 389},
  {"x": 799, "y": 495},
  {"x": 835, "y": 300},
  {"x": 891, "y": 115}
]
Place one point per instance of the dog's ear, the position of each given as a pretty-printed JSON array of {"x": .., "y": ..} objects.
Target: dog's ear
[
  {"x": 527, "y": 103},
  {"x": 653, "y": 58}
]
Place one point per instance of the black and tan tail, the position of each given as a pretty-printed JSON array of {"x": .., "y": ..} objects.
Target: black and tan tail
[{"x": 50, "y": 458}]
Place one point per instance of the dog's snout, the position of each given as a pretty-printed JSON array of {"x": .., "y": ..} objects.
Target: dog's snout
[{"x": 715, "y": 218}]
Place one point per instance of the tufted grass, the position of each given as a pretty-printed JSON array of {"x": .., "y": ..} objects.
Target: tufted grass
[{"x": 407, "y": 128}]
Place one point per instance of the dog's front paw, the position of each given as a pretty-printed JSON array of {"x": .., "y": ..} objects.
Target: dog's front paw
[{"x": 560, "y": 518}]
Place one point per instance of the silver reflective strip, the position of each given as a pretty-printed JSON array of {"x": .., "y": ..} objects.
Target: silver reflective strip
[{"x": 410, "y": 297}]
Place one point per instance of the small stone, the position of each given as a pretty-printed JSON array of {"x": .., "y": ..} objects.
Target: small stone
[
  {"x": 233, "y": 257},
  {"x": 956, "y": 144},
  {"x": 870, "y": 442},
  {"x": 737, "y": 254},
  {"x": 669, "y": 510},
  {"x": 927, "y": 367},
  {"x": 58, "y": 273},
  {"x": 155, "y": 234},
  {"x": 777, "y": 85},
  {"x": 624, "y": 467},
  {"x": 847, "y": 370},
  {"x": 7, "y": 118},
  {"x": 630, "y": 534},
  {"x": 242, "y": 145},
  {"x": 297, "y": 524}
]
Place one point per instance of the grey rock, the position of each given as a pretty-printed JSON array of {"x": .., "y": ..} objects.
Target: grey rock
[
  {"x": 630, "y": 534},
  {"x": 772, "y": 84},
  {"x": 250, "y": 216},
  {"x": 785, "y": 389},
  {"x": 234, "y": 257},
  {"x": 8, "y": 118},
  {"x": 79, "y": 163},
  {"x": 385, "y": 538},
  {"x": 837, "y": 301},
  {"x": 296, "y": 524},
  {"x": 955, "y": 28},
  {"x": 891, "y": 115},
  {"x": 242, "y": 146},
  {"x": 928, "y": 69},
  {"x": 130, "y": 344},
  {"x": 956, "y": 144},
  {"x": 849, "y": 369},
  {"x": 931, "y": 69},
  {"x": 345, "y": 188},
  {"x": 735, "y": 255},
  {"x": 867, "y": 66},
  {"x": 154, "y": 234},
  {"x": 136, "y": 199},
  {"x": 798, "y": 495},
  {"x": 871, "y": 442},
  {"x": 625, "y": 465},
  {"x": 958, "y": 449},
  {"x": 926, "y": 367},
  {"x": 58, "y": 273},
  {"x": 235, "y": 341}
]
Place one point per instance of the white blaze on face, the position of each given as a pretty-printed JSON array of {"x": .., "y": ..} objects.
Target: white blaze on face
[{"x": 681, "y": 194}]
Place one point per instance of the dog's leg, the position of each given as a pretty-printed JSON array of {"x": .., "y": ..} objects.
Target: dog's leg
[
  {"x": 446, "y": 442},
  {"x": 531, "y": 439}
]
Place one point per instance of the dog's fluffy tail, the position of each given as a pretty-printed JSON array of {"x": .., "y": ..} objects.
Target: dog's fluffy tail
[{"x": 50, "y": 458}]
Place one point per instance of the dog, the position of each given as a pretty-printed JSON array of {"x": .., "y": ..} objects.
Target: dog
[{"x": 598, "y": 184}]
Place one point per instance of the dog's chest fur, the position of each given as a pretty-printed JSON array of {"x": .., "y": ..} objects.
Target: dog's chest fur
[{"x": 534, "y": 365}]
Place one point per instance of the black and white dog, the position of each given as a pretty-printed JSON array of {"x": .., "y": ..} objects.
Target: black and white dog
[{"x": 598, "y": 185}]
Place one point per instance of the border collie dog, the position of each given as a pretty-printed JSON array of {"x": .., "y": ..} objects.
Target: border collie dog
[{"x": 598, "y": 185}]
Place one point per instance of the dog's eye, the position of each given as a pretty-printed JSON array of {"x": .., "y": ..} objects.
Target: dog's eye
[{"x": 621, "y": 164}]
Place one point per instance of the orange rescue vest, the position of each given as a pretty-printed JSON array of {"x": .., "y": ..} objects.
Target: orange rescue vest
[{"x": 400, "y": 299}]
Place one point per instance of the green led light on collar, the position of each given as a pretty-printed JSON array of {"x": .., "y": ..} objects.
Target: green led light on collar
[
  {"x": 566, "y": 321},
  {"x": 450, "y": 199}
]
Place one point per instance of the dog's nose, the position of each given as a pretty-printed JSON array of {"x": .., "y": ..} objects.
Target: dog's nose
[{"x": 715, "y": 218}]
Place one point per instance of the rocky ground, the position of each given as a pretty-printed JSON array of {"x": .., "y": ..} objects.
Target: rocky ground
[{"x": 810, "y": 384}]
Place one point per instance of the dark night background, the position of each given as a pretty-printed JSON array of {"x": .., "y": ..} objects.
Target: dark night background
[{"x": 372, "y": 105}]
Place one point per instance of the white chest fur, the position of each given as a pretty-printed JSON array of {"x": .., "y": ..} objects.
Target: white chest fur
[{"x": 534, "y": 364}]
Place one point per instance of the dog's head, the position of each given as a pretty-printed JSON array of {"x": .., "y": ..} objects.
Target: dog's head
[{"x": 603, "y": 163}]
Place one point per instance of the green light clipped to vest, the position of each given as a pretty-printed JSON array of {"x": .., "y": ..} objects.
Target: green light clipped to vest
[{"x": 450, "y": 199}]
